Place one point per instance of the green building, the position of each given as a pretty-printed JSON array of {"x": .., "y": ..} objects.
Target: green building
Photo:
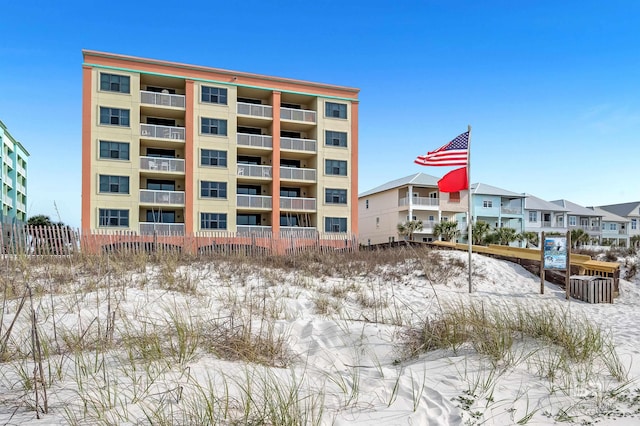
[{"x": 13, "y": 178}]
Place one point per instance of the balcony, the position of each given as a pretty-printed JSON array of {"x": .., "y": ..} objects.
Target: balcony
[
  {"x": 7, "y": 181},
  {"x": 297, "y": 203},
  {"x": 162, "y": 132},
  {"x": 419, "y": 201},
  {"x": 252, "y": 229},
  {"x": 148, "y": 196},
  {"x": 162, "y": 99},
  {"x": 253, "y": 170},
  {"x": 160, "y": 164},
  {"x": 8, "y": 201},
  {"x": 21, "y": 170},
  {"x": 298, "y": 232},
  {"x": 293, "y": 173},
  {"x": 8, "y": 161},
  {"x": 253, "y": 201},
  {"x": 293, "y": 114},
  {"x": 428, "y": 225},
  {"x": 22, "y": 206},
  {"x": 297, "y": 144},
  {"x": 149, "y": 228},
  {"x": 510, "y": 210},
  {"x": 255, "y": 110},
  {"x": 256, "y": 141}
]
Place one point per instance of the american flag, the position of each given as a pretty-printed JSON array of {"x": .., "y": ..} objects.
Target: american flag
[{"x": 455, "y": 153}]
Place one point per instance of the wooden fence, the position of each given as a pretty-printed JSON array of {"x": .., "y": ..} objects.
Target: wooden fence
[{"x": 62, "y": 240}]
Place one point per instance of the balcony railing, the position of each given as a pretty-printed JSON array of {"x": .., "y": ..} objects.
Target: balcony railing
[
  {"x": 149, "y": 196},
  {"x": 255, "y": 110},
  {"x": 8, "y": 201},
  {"x": 254, "y": 201},
  {"x": 7, "y": 181},
  {"x": 293, "y": 173},
  {"x": 21, "y": 170},
  {"x": 163, "y": 99},
  {"x": 549, "y": 224},
  {"x": 428, "y": 225},
  {"x": 511, "y": 210},
  {"x": 297, "y": 144},
  {"x": 147, "y": 228},
  {"x": 8, "y": 161},
  {"x": 260, "y": 141},
  {"x": 419, "y": 201},
  {"x": 162, "y": 164},
  {"x": 587, "y": 228},
  {"x": 8, "y": 144},
  {"x": 162, "y": 132},
  {"x": 21, "y": 188},
  {"x": 305, "y": 115},
  {"x": 297, "y": 203},
  {"x": 253, "y": 170},
  {"x": 252, "y": 229},
  {"x": 21, "y": 206},
  {"x": 298, "y": 231}
]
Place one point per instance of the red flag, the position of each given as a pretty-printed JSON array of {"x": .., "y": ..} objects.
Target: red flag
[{"x": 454, "y": 181}]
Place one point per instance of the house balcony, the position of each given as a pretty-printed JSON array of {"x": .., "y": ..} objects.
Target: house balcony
[
  {"x": 8, "y": 161},
  {"x": 162, "y": 165},
  {"x": 162, "y": 132},
  {"x": 254, "y": 171},
  {"x": 255, "y": 110},
  {"x": 255, "y": 141},
  {"x": 149, "y": 196},
  {"x": 297, "y": 203},
  {"x": 22, "y": 206},
  {"x": 8, "y": 144},
  {"x": 162, "y": 99},
  {"x": 293, "y": 114},
  {"x": 252, "y": 229},
  {"x": 293, "y": 173},
  {"x": 298, "y": 232},
  {"x": 419, "y": 202},
  {"x": 254, "y": 201},
  {"x": 428, "y": 225},
  {"x": 510, "y": 210},
  {"x": 151, "y": 228},
  {"x": 298, "y": 144},
  {"x": 21, "y": 188},
  {"x": 7, "y": 180},
  {"x": 549, "y": 224},
  {"x": 7, "y": 200},
  {"x": 22, "y": 171}
]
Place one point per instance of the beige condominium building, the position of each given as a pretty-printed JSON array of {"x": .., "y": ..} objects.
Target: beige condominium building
[{"x": 176, "y": 148}]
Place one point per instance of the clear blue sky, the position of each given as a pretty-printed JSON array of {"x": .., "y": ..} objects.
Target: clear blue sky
[{"x": 550, "y": 88}]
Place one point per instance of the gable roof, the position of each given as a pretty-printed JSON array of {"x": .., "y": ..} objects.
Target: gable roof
[
  {"x": 420, "y": 179},
  {"x": 623, "y": 209},
  {"x": 534, "y": 203},
  {"x": 576, "y": 209},
  {"x": 484, "y": 189},
  {"x": 608, "y": 216}
]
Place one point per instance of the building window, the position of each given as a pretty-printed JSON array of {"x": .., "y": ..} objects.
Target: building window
[
  {"x": 572, "y": 221},
  {"x": 213, "y": 126},
  {"x": 248, "y": 219},
  {"x": 612, "y": 226},
  {"x": 114, "y": 116},
  {"x": 159, "y": 216},
  {"x": 114, "y": 184},
  {"x": 213, "y": 221},
  {"x": 634, "y": 223},
  {"x": 335, "y": 167},
  {"x": 212, "y": 157},
  {"x": 335, "y": 110},
  {"x": 114, "y": 150},
  {"x": 335, "y": 196},
  {"x": 213, "y": 189},
  {"x": 114, "y": 83},
  {"x": 287, "y": 220},
  {"x": 112, "y": 217},
  {"x": 454, "y": 197},
  {"x": 366, "y": 204},
  {"x": 335, "y": 224},
  {"x": 214, "y": 95},
  {"x": 533, "y": 216},
  {"x": 487, "y": 204},
  {"x": 332, "y": 138}
]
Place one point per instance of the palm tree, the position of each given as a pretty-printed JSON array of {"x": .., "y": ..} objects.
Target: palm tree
[
  {"x": 479, "y": 231},
  {"x": 408, "y": 228},
  {"x": 447, "y": 230},
  {"x": 579, "y": 237},
  {"x": 504, "y": 236},
  {"x": 634, "y": 241},
  {"x": 530, "y": 238}
]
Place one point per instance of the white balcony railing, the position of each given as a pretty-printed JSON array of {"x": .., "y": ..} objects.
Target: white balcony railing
[
  {"x": 8, "y": 144},
  {"x": 260, "y": 141},
  {"x": 8, "y": 201},
  {"x": 21, "y": 206},
  {"x": 298, "y": 144},
  {"x": 511, "y": 210},
  {"x": 298, "y": 231},
  {"x": 255, "y": 110},
  {"x": 162, "y": 132},
  {"x": 21, "y": 170},
  {"x": 7, "y": 181},
  {"x": 252, "y": 229},
  {"x": 254, "y": 201},
  {"x": 8, "y": 161},
  {"x": 253, "y": 170},
  {"x": 418, "y": 201},
  {"x": 297, "y": 203},
  {"x": 162, "y": 164},
  {"x": 147, "y": 228},
  {"x": 293, "y": 173},
  {"x": 305, "y": 115},
  {"x": 21, "y": 188},
  {"x": 162, "y": 99},
  {"x": 428, "y": 225},
  {"x": 149, "y": 196}
]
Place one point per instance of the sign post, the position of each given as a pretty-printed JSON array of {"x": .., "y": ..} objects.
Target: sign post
[{"x": 556, "y": 255}]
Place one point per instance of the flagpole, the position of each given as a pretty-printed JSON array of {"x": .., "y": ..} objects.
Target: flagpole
[{"x": 469, "y": 221}]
